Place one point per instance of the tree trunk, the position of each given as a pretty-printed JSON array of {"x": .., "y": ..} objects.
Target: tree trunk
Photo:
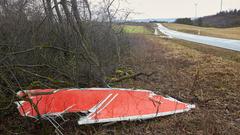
[
  {"x": 77, "y": 16},
  {"x": 89, "y": 10},
  {"x": 48, "y": 10},
  {"x": 90, "y": 56},
  {"x": 58, "y": 11}
]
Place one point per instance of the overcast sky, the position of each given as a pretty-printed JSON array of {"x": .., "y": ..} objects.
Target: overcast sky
[{"x": 177, "y": 8}]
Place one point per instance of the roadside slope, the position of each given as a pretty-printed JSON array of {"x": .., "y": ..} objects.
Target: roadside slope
[{"x": 191, "y": 75}]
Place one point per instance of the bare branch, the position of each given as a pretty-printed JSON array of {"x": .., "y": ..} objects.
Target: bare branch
[{"x": 133, "y": 76}]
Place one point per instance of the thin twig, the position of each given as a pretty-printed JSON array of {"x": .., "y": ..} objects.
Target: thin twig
[
  {"x": 133, "y": 76},
  {"x": 9, "y": 105},
  {"x": 33, "y": 49}
]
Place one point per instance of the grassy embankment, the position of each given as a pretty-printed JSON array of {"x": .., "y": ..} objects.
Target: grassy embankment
[
  {"x": 206, "y": 76},
  {"x": 231, "y": 33},
  {"x": 193, "y": 73}
]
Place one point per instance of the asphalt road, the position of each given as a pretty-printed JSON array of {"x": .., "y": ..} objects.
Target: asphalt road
[{"x": 217, "y": 42}]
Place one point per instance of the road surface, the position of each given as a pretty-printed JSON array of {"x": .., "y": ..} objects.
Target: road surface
[{"x": 217, "y": 42}]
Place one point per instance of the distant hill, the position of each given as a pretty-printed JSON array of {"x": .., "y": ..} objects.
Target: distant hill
[
  {"x": 223, "y": 19},
  {"x": 229, "y": 18},
  {"x": 154, "y": 20}
]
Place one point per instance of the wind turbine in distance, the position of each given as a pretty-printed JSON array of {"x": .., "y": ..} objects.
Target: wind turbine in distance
[
  {"x": 196, "y": 4},
  {"x": 221, "y": 5},
  {"x": 196, "y": 13}
]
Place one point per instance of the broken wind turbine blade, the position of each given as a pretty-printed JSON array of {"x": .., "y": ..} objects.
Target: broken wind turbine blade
[{"x": 100, "y": 104}]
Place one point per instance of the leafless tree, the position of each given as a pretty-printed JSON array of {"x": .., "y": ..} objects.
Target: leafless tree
[{"x": 58, "y": 43}]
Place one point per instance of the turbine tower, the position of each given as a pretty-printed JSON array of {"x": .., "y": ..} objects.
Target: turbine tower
[
  {"x": 221, "y": 6},
  {"x": 196, "y": 4}
]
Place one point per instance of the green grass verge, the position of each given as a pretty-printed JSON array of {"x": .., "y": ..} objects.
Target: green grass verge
[{"x": 136, "y": 29}]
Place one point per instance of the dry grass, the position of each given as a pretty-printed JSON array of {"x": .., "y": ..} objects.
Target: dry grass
[
  {"x": 185, "y": 72},
  {"x": 193, "y": 76},
  {"x": 231, "y": 33}
]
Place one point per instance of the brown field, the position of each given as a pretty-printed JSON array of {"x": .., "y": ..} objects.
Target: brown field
[{"x": 231, "y": 33}]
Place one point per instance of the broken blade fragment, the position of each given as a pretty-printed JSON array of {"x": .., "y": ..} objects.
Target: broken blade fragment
[{"x": 102, "y": 104}]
